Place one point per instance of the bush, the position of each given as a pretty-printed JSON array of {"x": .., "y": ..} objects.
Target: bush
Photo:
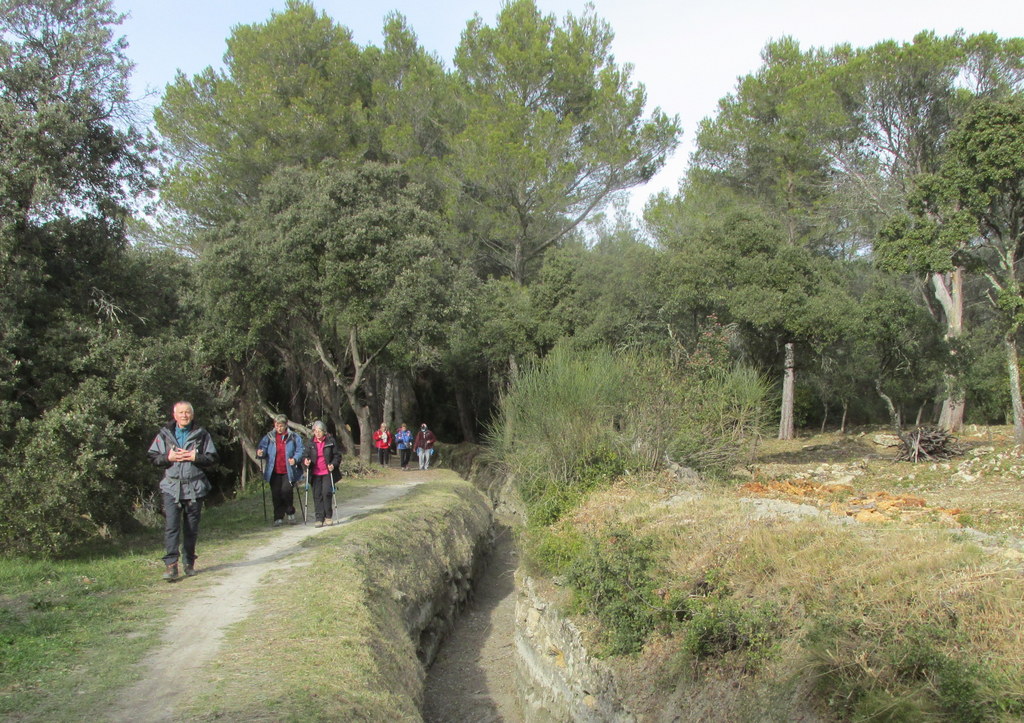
[
  {"x": 81, "y": 466},
  {"x": 720, "y": 625},
  {"x": 611, "y": 580},
  {"x": 905, "y": 675},
  {"x": 552, "y": 551},
  {"x": 579, "y": 419}
]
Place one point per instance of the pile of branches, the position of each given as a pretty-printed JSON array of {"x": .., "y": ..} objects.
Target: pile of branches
[{"x": 928, "y": 444}]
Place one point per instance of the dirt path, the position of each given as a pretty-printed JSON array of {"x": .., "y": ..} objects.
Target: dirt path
[
  {"x": 194, "y": 634},
  {"x": 473, "y": 678}
]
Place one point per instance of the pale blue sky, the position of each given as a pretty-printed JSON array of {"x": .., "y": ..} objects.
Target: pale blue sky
[{"x": 687, "y": 53}]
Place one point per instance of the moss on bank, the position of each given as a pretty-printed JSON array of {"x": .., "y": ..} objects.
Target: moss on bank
[{"x": 333, "y": 639}]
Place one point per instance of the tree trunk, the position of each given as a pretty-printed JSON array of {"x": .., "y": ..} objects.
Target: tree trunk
[
  {"x": 365, "y": 433},
  {"x": 949, "y": 291},
  {"x": 842, "y": 424},
  {"x": 788, "y": 394},
  {"x": 388, "y": 411},
  {"x": 1013, "y": 367},
  {"x": 465, "y": 415},
  {"x": 345, "y": 434},
  {"x": 894, "y": 415}
]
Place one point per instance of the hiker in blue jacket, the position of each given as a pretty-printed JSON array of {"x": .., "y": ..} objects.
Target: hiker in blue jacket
[
  {"x": 403, "y": 440},
  {"x": 282, "y": 449}
]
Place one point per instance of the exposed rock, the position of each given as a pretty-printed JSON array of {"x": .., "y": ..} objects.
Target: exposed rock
[{"x": 558, "y": 680}]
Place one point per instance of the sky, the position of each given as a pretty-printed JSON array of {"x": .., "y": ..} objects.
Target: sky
[{"x": 687, "y": 53}]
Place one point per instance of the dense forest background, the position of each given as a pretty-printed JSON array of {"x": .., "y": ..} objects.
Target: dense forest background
[{"x": 361, "y": 234}]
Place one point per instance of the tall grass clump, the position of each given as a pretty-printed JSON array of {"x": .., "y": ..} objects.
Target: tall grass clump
[
  {"x": 558, "y": 430},
  {"x": 577, "y": 420}
]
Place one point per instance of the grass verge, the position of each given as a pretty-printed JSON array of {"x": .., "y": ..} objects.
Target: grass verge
[
  {"x": 72, "y": 631},
  {"x": 331, "y": 640}
]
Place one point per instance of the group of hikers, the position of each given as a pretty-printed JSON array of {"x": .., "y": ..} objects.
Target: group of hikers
[
  {"x": 185, "y": 451},
  {"x": 404, "y": 443}
]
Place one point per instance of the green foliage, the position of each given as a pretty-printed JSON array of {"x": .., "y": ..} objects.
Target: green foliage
[
  {"x": 554, "y": 128},
  {"x": 294, "y": 92},
  {"x": 95, "y": 339},
  {"x": 557, "y": 415},
  {"x": 717, "y": 625},
  {"x": 578, "y": 419},
  {"x": 913, "y": 673},
  {"x": 611, "y": 580},
  {"x": 82, "y": 465},
  {"x": 552, "y": 550}
]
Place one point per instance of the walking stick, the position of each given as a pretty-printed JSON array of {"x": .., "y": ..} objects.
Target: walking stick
[
  {"x": 334, "y": 497},
  {"x": 306, "y": 506},
  {"x": 263, "y": 488}
]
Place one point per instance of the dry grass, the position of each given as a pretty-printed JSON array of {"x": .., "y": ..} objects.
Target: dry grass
[
  {"x": 329, "y": 641},
  {"x": 984, "y": 488},
  {"x": 914, "y": 621}
]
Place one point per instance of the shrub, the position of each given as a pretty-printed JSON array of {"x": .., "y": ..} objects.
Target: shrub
[
  {"x": 81, "y": 466},
  {"x": 552, "y": 550},
  {"x": 903, "y": 675},
  {"x": 579, "y": 419},
  {"x": 611, "y": 580},
  {"x": 720, "y": 625}
]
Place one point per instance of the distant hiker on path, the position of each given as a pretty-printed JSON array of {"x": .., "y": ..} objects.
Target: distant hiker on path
[
  {"x": 185, "y": 451},
  {"x": 424, "y": 445},
  {"x": 403, "y": 441},
  {"x": 322, "y": 458},
  {"x": 283, "y": 449},
  {"x": 382, "y": 440}
]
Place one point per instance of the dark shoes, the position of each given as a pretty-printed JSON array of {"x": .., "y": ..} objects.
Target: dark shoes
[{"x": 171, "y": 571}]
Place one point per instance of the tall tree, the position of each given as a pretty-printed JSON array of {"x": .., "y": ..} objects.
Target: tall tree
[
  {"x": 554, "y": 129},
  {"x": 971, "y": 215},
  {"x": 90, "y": 348},
  {"x": 767, "y": 150},
  {"x": 335, "y": 272},
  {"x": 294, "y": 91}
]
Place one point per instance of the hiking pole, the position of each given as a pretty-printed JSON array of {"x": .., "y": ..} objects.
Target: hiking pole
[
  {"x": 301, "y": 506},
  {"x": 306, "y": 506},
  {"x": 263, "y": 488},
  {"x": 334, "y": 497}
]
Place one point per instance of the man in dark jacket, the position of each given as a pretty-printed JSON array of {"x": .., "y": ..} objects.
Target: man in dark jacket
[
  {"x": 424, "y": 445},
  {"x": 184, "y": 450}
]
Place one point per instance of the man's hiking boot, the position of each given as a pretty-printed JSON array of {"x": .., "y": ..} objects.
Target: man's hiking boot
[
  {"x": 190, "y": 570},
  {"x": 328, "y": 522},
  {"x": 171, "y": 573},
  {"x": 291, "y": 519},
  {"x": 318, "y": 524},
  {"x": 278, "y": 523}
]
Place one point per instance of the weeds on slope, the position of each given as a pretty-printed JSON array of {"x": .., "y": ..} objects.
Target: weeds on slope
[{"x": 866, "y": 622}]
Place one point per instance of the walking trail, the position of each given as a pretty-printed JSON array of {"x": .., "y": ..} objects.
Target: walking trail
[{"x": 194, "y": 634}]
